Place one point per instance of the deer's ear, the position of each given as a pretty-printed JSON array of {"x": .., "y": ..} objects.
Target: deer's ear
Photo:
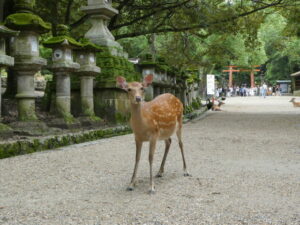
[
  {"x": 148, "y": 80},
  {"x": 121, "y": 82}
]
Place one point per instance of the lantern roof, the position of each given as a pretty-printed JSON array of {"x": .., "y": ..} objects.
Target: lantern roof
[
  {"x": 87, "y": 44},
  {"x": 6, "y": 32},
  {"x": 27, "y": 21},
  {"x": 63, "y": 38}
]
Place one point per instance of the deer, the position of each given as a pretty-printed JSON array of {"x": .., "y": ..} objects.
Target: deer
[
  {"x": 153, "y": 121},
  {"x": 218, "y": 106},
  {"x": 296, "y": 104}
]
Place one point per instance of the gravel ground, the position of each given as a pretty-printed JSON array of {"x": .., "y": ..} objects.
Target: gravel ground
[{"x": 244, "y": 162}]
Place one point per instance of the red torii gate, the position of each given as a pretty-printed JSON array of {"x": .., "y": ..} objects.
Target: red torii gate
[
  {"x": 231, "y": 70},
  {"x": 252, "y": 70}
]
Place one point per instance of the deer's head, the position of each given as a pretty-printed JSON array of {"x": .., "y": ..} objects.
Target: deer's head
[{"x": 135, "y": 90}]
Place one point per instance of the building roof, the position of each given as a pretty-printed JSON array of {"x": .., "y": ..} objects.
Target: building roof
[{"x": 283, "y": 81}]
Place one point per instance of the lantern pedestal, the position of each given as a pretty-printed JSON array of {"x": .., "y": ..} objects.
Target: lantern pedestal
[
  {"x": 65, "y": 119},
  {"x": 87, "y": 72}
]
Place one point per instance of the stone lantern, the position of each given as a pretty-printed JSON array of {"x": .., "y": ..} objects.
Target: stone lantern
[
  {"x": 25, "y": 49},
  {"x": 101, "y": 11},
  {"x": 85, "y": 56},
  {"x": 63, "y": 65},
  {"x": 5, "y": 61}
]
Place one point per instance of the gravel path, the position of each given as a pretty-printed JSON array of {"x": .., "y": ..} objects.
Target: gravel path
[{"x": 244, "y": 162}]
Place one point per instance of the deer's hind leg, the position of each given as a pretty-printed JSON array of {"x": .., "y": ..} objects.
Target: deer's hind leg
[
  {"x": 179, "y": 136},
  {"x": 161, "y": 170},
  {"x": 152, "y": 146}
]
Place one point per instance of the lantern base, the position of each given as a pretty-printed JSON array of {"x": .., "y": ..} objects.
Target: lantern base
[
  {"x": 91, "y": 121},
  {"x": 31, "y": 128},
  {"x": 5, "y": 131},
  {"x": 64, "y": 123}
]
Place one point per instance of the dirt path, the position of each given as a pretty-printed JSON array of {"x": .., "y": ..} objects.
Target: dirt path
[{"x": 245, "y": 164}]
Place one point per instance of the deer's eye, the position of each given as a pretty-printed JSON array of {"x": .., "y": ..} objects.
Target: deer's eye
[
  {"x": 142, "y": 89},
  {"x": 129, "y": 89}
]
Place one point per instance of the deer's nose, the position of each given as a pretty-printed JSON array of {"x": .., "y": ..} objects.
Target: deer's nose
[{"x": 138, "y": 98}]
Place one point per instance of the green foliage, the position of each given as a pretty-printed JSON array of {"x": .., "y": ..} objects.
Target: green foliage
[
  {"x": 283, "y": 51},
  {"x": 188, "y": 109},
  {"x": 196, "y": 103}
]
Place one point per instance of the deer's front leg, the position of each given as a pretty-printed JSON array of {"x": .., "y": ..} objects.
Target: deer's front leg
[
  {"x": 137, "y": 160},
  {"x": 151, "y": 155}
]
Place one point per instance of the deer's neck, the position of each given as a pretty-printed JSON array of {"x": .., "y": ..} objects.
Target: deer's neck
[{"x": 136, "y": 115}]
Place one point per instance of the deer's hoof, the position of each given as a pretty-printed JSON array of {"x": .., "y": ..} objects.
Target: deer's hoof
[
  {"x": 186, "y": 174},
  {"x": 130, "y": 188},
  {"x": 159, "y": 174},
  {"x": 151, "y": 192}
]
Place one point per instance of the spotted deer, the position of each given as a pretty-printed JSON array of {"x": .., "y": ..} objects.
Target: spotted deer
[
  {"x": 151, "y": 121},
  {"x": 217, "y": 107},
  {"x": 296, "y": 104}
]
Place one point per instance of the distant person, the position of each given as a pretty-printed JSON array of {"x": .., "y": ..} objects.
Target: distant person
[
  {"x": 220, "y": 92},
  {"x": 274, "y": 90},
  {"x": 242, "y": 91},
  {"x": 270, "y": 91},
  {"x": 264, "y": 89},
  {"x": 278, "y": 90},
  {"x": 217, "y": 92},
  {"x": 237, "y": 91}
]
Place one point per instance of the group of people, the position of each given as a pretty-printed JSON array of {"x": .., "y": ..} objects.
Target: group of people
[{"x": 263, "y": 90}]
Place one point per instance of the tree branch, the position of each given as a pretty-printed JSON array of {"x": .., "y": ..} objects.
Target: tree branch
[
  {"x": 119, "y": 8},
  {"x": 79, "y": 22},
  {"x": 68, "y": 11},
  {"x": 197, "y": 26},
  {"x": 148, "y": 15}
]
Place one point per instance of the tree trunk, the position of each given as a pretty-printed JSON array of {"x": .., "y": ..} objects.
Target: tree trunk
[{"x": 151, "y": 41}]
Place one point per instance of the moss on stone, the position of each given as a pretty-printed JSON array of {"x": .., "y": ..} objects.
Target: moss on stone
[
  {"x": 68, "y": 118},
  {"x": 34, "y": 145},
  {"x": 27, "y": 21},
  {"x": 88, "y": 111},
  {"x": 58, "y": 40},
  {"x": 4, "y": 128},
  {"x": 24, "y": 5},
  {"x": 86, "y": 44},
  {"x": 113, "y": 66},
  {"x": 122, "y": 118},
  {"x": 27, "y": 112}
]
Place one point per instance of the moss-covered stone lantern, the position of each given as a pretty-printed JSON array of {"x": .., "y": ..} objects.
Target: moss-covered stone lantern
[
  {"x": 5, "y": 61},
  {"x": 101, "y": 11},
  {"x": 86, "y": 57},
  {"x": 25, "y": 49},
  {"x": 63, "y": 65}
]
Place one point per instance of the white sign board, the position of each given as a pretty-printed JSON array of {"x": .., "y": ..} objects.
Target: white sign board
[{"x": 210, "y": 82}]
